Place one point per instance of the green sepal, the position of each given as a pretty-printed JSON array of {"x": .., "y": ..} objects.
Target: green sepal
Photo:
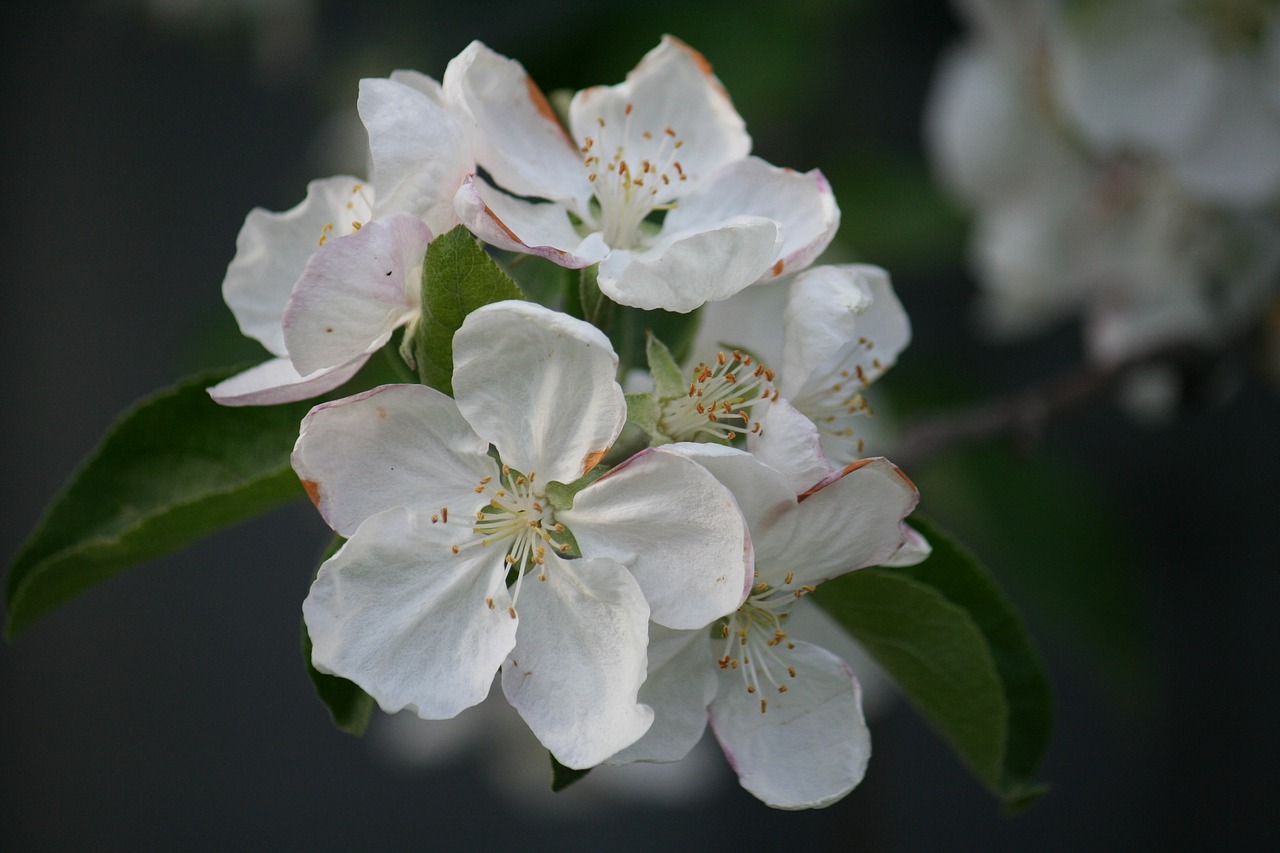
[
  {"x": 458, "y": 276},
  {"x": 562, "y": 777},
  {"x": 954, "y": 644},
  {"x": 644, "y": 411},
  {"x": 349, "y": 706},
  {"x": 561, "y": 494},
  {"x": 668, "y": 380}
]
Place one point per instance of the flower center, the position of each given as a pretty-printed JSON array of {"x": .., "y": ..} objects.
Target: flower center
[
  {"x": 631, "y": 184},
  {"x": 719, "y": 401},
  {"x": 755, "y": 644},
  {"x": 833, "y": 399},
  {"x": 350, "y": 215},
  {"x": 518, "y": 517}
]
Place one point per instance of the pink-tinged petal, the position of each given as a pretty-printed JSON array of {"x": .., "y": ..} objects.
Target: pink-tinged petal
[
  {"x": 850, "y": 520},
  {"x": 579, "y": 659},
  {"x": 810, "y": 747},
  {"x": 676, "y": 528},
  {"x": 540, "y": 386},
  {"x": 681, "y": 683},
  {"x": 514, "y": 132},
  {"x": 914, "y": 551},
  {"x": 276, "y": 381},
  {"x": 414, "y": 625},
  {"x": 531, "y": 228},
  {"x": 689, "y": 269},
  {"x": 272, "y": 250},
  {"x": 802, "y": 205},
  {"x": 789, "y": 443},
  {"x": 355, "y": 292},
  {"x": 671, "y": 89},
  {"x": 844, "y": 327},
  {"x": 764, "y": 496},
  {"x": 396, "y": 445},
  {"x": 418, "y": 153}
]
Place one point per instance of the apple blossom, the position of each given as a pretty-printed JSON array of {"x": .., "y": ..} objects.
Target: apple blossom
[
  {"x": 415, "y": 608},
  {"x": 666, "y": 141},
  {"x": 787, "y": 713}
]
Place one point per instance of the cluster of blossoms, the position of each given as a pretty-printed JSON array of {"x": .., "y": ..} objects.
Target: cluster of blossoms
[
  {"x": 1123, "y": 163},
  {"x": 626, "y": 600}
]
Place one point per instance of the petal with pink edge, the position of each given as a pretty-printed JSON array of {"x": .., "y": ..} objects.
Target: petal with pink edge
[{"x": 276, "y": 381}]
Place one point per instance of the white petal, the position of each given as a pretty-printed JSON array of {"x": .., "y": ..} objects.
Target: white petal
[
  {"x": 843, "y": 326},
  {"x": 1132, "y": 73},
  {"x": 579, "y": 660},
  {"x": 540, "y": 386},
  {"x": 748, "y": 321},
  {"x": 763, "y": 495},
  {"x": 272, "y": 249},
  {"x": 914, "y": 551},
  {"x": 673, "y": 88},
  {"x": 810, "y": 747},
  {"x": 276, "y": 381},
  {"x": 532, "y": 228},
  {"x": 397, "y": 445},
  {"x": 691, "y": 268},
  {"x": 1233, "y": 157},
  {"x": 355, "y": 292},
  {"x": 419, "y": 153},
  {"x": 676, "y": 528},
  {"x": 790, "y": 443},
  {"x": 515, "y": 134},
  {"x": 852, "y": 520},
  {"x": 681, "y": 683},
  {"x": 399, "y": 614},
  {"x": 802, "y": 205}
]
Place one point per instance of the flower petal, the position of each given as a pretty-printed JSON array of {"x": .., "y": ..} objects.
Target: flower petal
[
  {"x": 681, "y": 683},
  {"x": 540, "y": 386},
  {"x": 514, "y": 132},
  {"x": 851, "y": 520},
  {"x": 763, "y": 495},
  {"x": 355, "y": 292},
  {"x": 676, "y": 528},
  {"x": 532, "y": 228},
  {"x": 407, "y": 620},
  {"x": 276, "y": 381},
  {"x": 691, "y": 268},
  {"x": 810, "y": 747},
  {"x": 579, "y": 660},
  {"x": 418, "y": 152},
  {"x": 802, "y": 205},
  {"x": 790, "y": 443},
  {"x": 844, "y": 326},
  {"x": 396, "y": 445},
  {"x": 272, "y": 249},
  {"x": 672, "y": 87}
]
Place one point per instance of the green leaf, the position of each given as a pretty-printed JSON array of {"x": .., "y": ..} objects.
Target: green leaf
[
  {"x": 955, "y": 572},
  {"x": 668, "y": 380},
  {"x": 935, "y": 653},
  {"x": 350, "y": 707},
  {"x": 963, "y": 656},
  {"x": 173, "y": 468},
  {"x": 458, "y": 276},
  {"x": 562, "y": 777}
]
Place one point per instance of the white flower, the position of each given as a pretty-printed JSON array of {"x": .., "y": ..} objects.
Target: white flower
[
  {"x": 841, "y": 328},
  {"x": 667, "y": 139},
  {"x": 787, "y": 714},
  {"x": 416, "y": 609},
  {"x": 326, "y": 284}
]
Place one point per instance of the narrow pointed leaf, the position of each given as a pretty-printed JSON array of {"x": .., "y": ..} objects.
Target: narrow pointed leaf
[
  {"x": 458, "y": 276},
  {"x": 668, "y": 380}
]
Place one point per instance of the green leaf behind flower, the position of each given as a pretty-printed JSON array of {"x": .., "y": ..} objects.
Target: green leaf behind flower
[
  {"x": 961, "y": 654},
  {"x": 458, "y": 276}
]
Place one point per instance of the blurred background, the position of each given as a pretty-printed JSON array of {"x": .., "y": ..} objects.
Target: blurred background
[{"x": 168, "y": 708}]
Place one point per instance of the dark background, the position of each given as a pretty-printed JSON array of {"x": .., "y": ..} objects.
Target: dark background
[{"x": 169, "y": 708}]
